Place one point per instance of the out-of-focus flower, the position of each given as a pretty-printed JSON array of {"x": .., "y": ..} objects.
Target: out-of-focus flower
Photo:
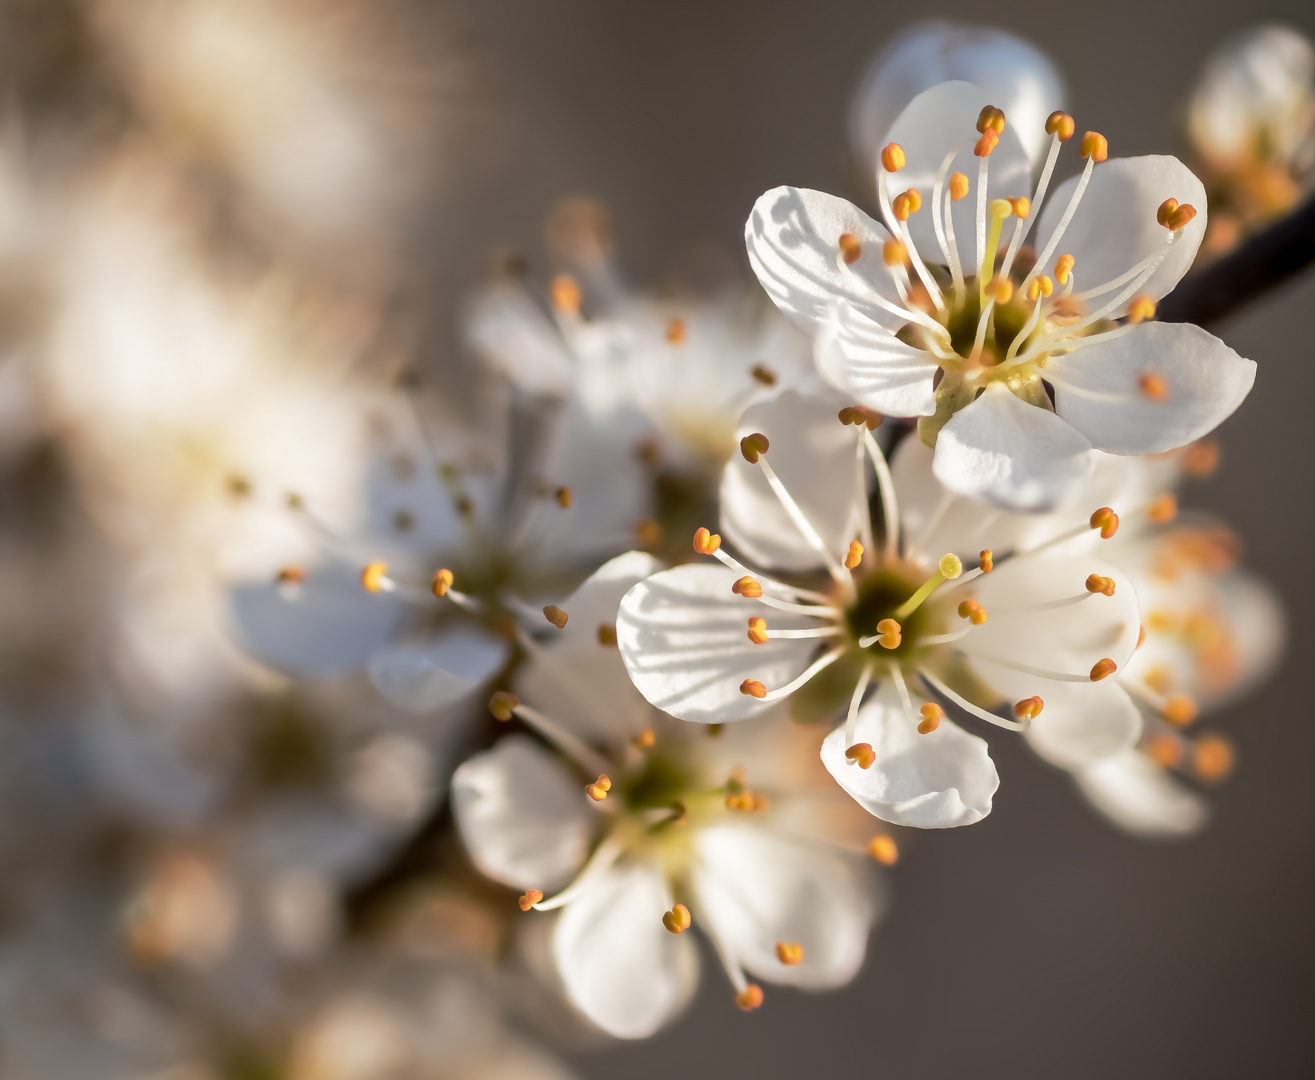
[
  {"x": 1014, "y": 372},
  {"x": 661, "y": 829},
  {"x": 1251, "y": 129},
  {"x": 1032, "y": 626},
  {"x": 1015, "y": 75}
]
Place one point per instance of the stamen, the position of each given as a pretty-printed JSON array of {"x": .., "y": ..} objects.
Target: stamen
[
  {"x": 758, "y": 630},
  {"x": 1174, "y": 216},
  {"x": 764, "y": 375},
  {"x": 1063, "y": 267},
  {"x": 855, "y": 555},
  {"x": 1212, "y": 758},
  {"x": 932, "y": 715},
  {"x": 1094, "y": 146},
  {"x": 750, "y": 998},
  {"x": 706, "y": 543},
  {"x": 1165, "y": 750},
  {"x": 1106, "y": 520},
  {"x": 950, "y": 567},
  {"x": 502, "y": 705},
  {"x": 754, "y": 446},
  {"x": 888, "y": 635},
  {"x": 850, "y": 249},
  {"x": 856, "y": 699},
  {"x": 1153, "y": 387},
  {"x": 790, "y": 687},
  {"x": 883, "y": 849},
  {"x": 972, "y": 611},
  {"x": 1060, "y": 125},
  {"x": 858, "y": 416},
  {"x": 1201, "y": 458},
  {"x": 374, "y": 577},
  {"x": 1102, "y": 669},
  {"x": 442, "y": 582},
  {"x": 677, "y": 920},
  {"x": 966, "y": 705},
  {"x": 987, "y": 561},
  {"x": 645, "y": 739},
  {"x": 556, "y": 616},
  {"x": 886, "y": 486},
  {"x": 600, "y": 862},
  {"x": 938, "y": 206},
  {"x": 1098, "y": 584},
  {"x": 991, "y": 119},
  {"x": 1029, "y": 708},
  {"x": 607, "y": 634},
  {"x": 676, "y": 331},
  {"x": 958, "y": 186},
  {"x": 892, "y": 157},
  {"x": 565, "y": 295},
  {"x": 529, "y": 898},
  {"x": 753, "y": 688},
  {"x": 747, "y": 586},
  {"x": 1163, "y": 509},
  {"x": 894, "y": 253},
  {"x": 599, "y": 788},
  {"x": 563, "y": 497},
  {"x": 1180, "y": 710},
  {"x": 791, "y": 508},
  {"x": 1140, "y": 309},
  {"x": 861, "y": 754},
  {"x": 790, "y": 954},
  {"x": 569, "y": 744},
  {"x": 1087, "y": 149},
  {"x": 290, "y": 575}
]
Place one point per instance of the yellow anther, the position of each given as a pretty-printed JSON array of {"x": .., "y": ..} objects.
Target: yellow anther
[
  {"x": 750, "y": 997},
  {"x": 648, "y": 532},
  {"x": 890, "y": 632},
  {"x": 1201, "y": 458},
  {"x": 894, "y": 253},
  {"x": 529, "y": 898},
  {"x": 915, "y": 200},
  {"x": 1098, "y": 584},
  {"x": 791, "y": 954},
  {"x": 761, "y": 373},
  {"x": 705, "y": 543},
  {"x": 758, "y": 630},
  {"x": 850, "y": 248},
  {"x": 1165, "y": 750},
  {"x": 1061, "y": 124},
  {"x": 1106, "y": 520},
  {"x": 902, "y": 207},
  {"x": 556, "y": 616},
  {"x": 565, "y": 294},
  {"x": 1029, "y": 708},
  {"x": 986, "y": 560},
  {"x": 676, "y": 331},
  {"x": 991, "y": 119},
  {"x": 441, "y": 583},
  {"x": 1162, "y": 510},
  {"x": 1039, "y": 287},
  {"x": 986, "y": 144},
  {"x": 858, "y": 416},
  {"x": 1174, "y": 215},
  {"x": 563, "y": 497},
  {"x": 501, "y": 705},
  {"x": 599, "y": 788},
  {"x": 747, "y": 586},
  {"x": 645, "y": 739},
  {"x": 1000, "y": 289},
  {"x": 753, "y": 688},
  {"x": 1212, "y": 758},
  {"x": 1180, "y": 710},
  {"x": 1153, "y": 387},
  {"x": 854, "y": 556},
  {"x": 1140, "y": 309},
  {"x": 1094, "y": 146},
  {"x": 958, "y": 186},
  {"x": 373, "y": 576},
  {"x": 892, "y": 157},
  {"x": 972, "y": 611},
  {"x": 862, "y": 755},
  {"x": 754, "y": 446},
  {"x": 883, "y": 849},
  {"x": 1102, "y": 669},
  {"x": 290, "y": 575},
  {"x": 950, "y": 566},
  {"x": 1022, "y": 205},
  {"x": 607, "y": 633},
  {"x": 932, "y": 714},
  {"x": 677, "y": 920},
  {"x": 1063, "y": 267},
  {"x": 1000, "y": 208}
]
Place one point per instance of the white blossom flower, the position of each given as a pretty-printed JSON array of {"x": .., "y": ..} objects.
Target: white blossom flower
[
  {"x": 655, "y": 827},
  {"x": 1014, "y": 372},
  {"x": 1034, "y": 625}
]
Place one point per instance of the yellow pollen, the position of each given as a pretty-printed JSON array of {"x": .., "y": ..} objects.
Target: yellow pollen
[
  {"x": 1212, "y": 758},
  {"x": 1029, "y": 708},
  {"x": 754, "y": 446},
  {"x": 441, "y": 583},
  {"x": 986, "y": 144},
  {"x": 1063, "y": 267},
  {"x": 1061, "y": 124},
  {"x": 861, "y": 754},
  {"x": 958, "y": 186},
  {"x": 1140, "y": 309},
  {"x": 883, "y": 849},
  {"x": 677, "y": 920},
  {"x": 501, "y": 705},
  {"x": 1098, "y": 584},
  {"x": 892, "y": 157},
  {"x": 750, "y": 997},
  {"x": 791, "y": 954},
  {"x": 894, "y": 253},
  {"x": 1000, "y": 289},
  {"x": 291, "y": 575},
  {"x": 758, "y": 630},
  {"x": 931, "y": 718},
  {"x": 1094, "y": 146},
  {"x": 705, "y": 543},
  {"x": 1039, "y": 287},
  {"x": 529, "y": 898},
  {"x": 1163, "y": 509},
  {"x": 373, "y": 576},
  {"x": 890, "y": 632},
  {"x": 1102, "y": 669},
  {"x": 761, "y": 373},
  {"x": 858, "y": 415},
  {"x": 556, "y": 616},
  {"x": 901, "y": 207},
  {"x": 607, "y": 633},
  {"x": 855, "y": 555},
  {"x": 1022, "y": 205},
  {"x": 599, "y": 788},
  {"x": 950, "y": 566},
  {"x": 645, "y": 739},
  {"x": 563, "y": 497},
  {"x": 565, "y": 294},
  {"x": 1180, "y": 710},
  {"x": 648, "y": 532},
  {"x": 1106, "y": 520},
  {"x": 676, "y": 331},
  {"x": 746, "y": 586},
  {"x": 850, "y": 248},
  {"x": 1201, "y": 458},
  {"x": 1166, "y": 750},
  {"x": 753, "y": 688},
  {"x": 1153, "y": 387},
  {"x": 986, "y": 560},
  {"x": 915, "y": 200},
  {"x": 991, "y": 119}
]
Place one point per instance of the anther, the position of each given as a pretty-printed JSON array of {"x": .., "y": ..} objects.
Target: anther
[
  {"x": 1106, "y": 520},
  {"x": 1102, "y": 669},
  {"x": 563, "y": 497},
  {"x": 373, "y": 576},
  {"x": 529, "y": 898},
  {"x": 1165, "y": 750},
  {"x": 986, "y": 144},
  {"x": 648, "y": 532},
  {"x": 750, "y": 997},
  {"x": 890, "y": 632},
  {"x": 607, "y": 634},
  {"x": 861, "y": 754},
  {"x": 746, "y": 586},
  {"x": 892, "y": 157},
  {"x": 1212, "y": 758},
  {"x": 1201, "y": 458},
  {"x": 958, "y": 186},
  {"x": 565, "y": 294},
  {"x": 986, "y": 561},
  {"x": 1022, "y": 205},
  {"x": 991, "y": 119},
  {"x": 753, "y": 688},
  {"x": 1000, "y": 289},
  {"x": 850, "y": 248},
  {"x": 906, "y": 204},
  {"x": 758, "y": 630},
  {"x": 858, "y": 415},
  {"x": 1180, "y": 710},
  {"x": 556, "y": 616},
  {"x": 931, "y": 718},
  {"x": 1029, "y": 708},
  {"x": 501, "y": 705},
  {"x": 1094, "y": 146},
  {"x": 441, "y": 583},
  {"x": 1174, "y": 215},
  {"x": 883, "y": 849},
  {"x": 1039, "y": 287},
  {"x": 705, "y": 543},
  {"x": 1163, "y": 509},
  {"x": 1153, "y": 387},
  {"x": 1061, "y": 124},
  {"x": 790, "y": 954},
  {"x": 761, "y": 373},
  {"x": 855, "y": 555},
  {"x": 290, "y": 575},
  {"x": 676, "y": 331},
  {"x": 645, "y": 739},
  {"x": 1140, "y": 309},
  {"x": 677, "y": 920},
  {"x": 1063, "y": 267},
  {"x": 754, "y": 446},
  {"x": 1098, "y": 584},
  {"x": 894, "y": 253},
  {"x": 973, "y": 612},
  {"x": 599, "y": 788}
]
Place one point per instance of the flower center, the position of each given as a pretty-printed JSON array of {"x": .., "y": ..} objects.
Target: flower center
[{"x": 880, "y": 595}]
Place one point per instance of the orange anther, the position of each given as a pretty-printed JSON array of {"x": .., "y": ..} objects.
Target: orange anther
[
  {"x": 1098, "y": 584},
  {"x": 958, "y": 186},
  {"x": 563, "y": 497},
  {"x": 746, "y": 586},
  {"x": 1063, "y": 267},
  {"x": 290, "y": 575},
  {"x": 986, "y": 144},
  {"x": 1000, "y": 289},
  {"x": 529, "y": 898},
  {"x": 932, "y": 714},
  {"x": 676, "y": 331},
  {"x": 677, "y": 920},
  {"x": 1165, "y": 212},
  {"x": 565, "y": 294},
  {"x": 1094, "y": 146},
  {"x": 890, "y": 637},
  {"x": 850, "y": 248},
  {"x": 901, "y": 207},
  {"x": 556, "y": 616},
  {"x": 1180, "y": 710},
  {"x": 599, "y": 788},
  {"x": 1022, "y": 205},
  {"x": 758, "y": 630},
  {"x": 754, "y": 446},
  {"x": 1212, "y": 758},
  {"x": 991, "y": 119},
  {"x": 1029, "y": 708},
  {"x": 861, "y": 754},
  {"x": 1201, "y": 458},
  {"x": 986, "y": 560},
  {"x": 1102, "y": 669},
  {"x": 915, "y": 200},
  {"x": 972, "y": 611},
  {"x": 645, "y": 739},
  {"x": 1163, "y": 509},
  {"x": 894, "y": 253},
  {"x": 442, "y": 582},
  {"x": 501, "y": 705},
  {"x": 858, "y": 415},
  {"x": 1166, "y": 750},
  {"x": 790, "y": 954},
  {"x": 1153, "y": 387},
  {"x": 373, "y": 576},
  {"x": 883, "y": 849},
  {"x": 648, "y": 532},
  {"x": 1106, "y": 520},
  {"x": 892, "y": 157},
  {"x": 1061, "y": 124},
  {"x": 854, "y": 556},
  {"x": 753, "y": 688},
  {"x": 1039, "y": 287},
  {"x": 750, "y": 997},
  {"x": 607, "y": 633},
  {"x": 1140, "y": 309},
  {"x": 1181, "y": 217},
  {"x": 705, "y": 543}
]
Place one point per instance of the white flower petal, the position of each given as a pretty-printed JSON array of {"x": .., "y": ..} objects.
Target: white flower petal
[
  {"x": 939, "y": 780},
  {"x": 1139, "y": 797},
  {"x": 620, "y": 966},
  {"x": 1084, "y": 723},
  {"x": 328, "y": 623},
  {"x": 862, "y": 359},
  {"x": 1015, "y": 455},
  {"x": 516, "y": 338},
  {"x": 1114, "y": 227},
  {"x": 754, "y": 889},
  {"x": 1098, "y": 387},
  {"x": 813, "y": 455},
  {"x": 422, "y": 676},
  {"x": 524, "y": 819},
  {"x": 684, "y": 638}
]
